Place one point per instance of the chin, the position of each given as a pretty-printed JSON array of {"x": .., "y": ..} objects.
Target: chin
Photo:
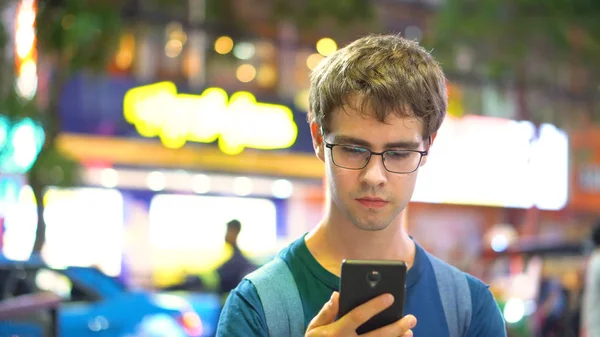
[{"x": 371, "y": 226}]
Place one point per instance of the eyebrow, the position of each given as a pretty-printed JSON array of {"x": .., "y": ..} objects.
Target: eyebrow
[{"x": 340, "y": 139}]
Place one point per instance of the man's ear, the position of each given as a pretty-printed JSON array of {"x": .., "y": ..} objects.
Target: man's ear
[
  {"x": 317, "y": 140},
  {"x": 431, "y": 139},
  {"x": 428, "y": 143}
]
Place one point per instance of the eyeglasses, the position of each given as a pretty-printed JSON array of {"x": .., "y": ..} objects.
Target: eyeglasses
[{"x": 356, "y": 158}]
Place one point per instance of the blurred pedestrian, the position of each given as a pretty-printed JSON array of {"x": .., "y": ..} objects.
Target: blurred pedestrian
[
  {"x": 551, "y": 307},
  {"x": 590, "y": 313},
  {"x": 233, "y": 270}
]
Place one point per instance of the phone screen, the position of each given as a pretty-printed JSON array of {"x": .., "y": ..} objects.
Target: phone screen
[{"x": 363, "y": 280}]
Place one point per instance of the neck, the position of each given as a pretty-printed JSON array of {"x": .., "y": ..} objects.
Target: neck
[{"x": 336, "y": 238}]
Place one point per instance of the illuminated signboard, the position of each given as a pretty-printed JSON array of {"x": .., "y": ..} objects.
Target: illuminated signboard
[
  {"x": 238, "y": 122},
  {"x": 585, "y": 169},
  {"x": 489, "y": 161},
  {"x": 20, "y": 143}
]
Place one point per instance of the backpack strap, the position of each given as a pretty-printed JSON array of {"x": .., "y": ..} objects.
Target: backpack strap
[
  {"x": 280, "y": 298},
  {"x": 455, "y": 294}
]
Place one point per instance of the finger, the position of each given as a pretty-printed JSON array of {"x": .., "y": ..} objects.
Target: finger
[
  {"x": 328, "y": 313},
  {"x": 399, "y": 328},
  {"x": 359, "y": 315}
]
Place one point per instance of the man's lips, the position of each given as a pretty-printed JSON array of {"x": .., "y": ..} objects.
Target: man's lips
[{"x": 372, "y": 202}]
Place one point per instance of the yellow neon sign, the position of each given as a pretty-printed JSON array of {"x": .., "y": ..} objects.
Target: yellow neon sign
[{"x": 157, "y": 110}]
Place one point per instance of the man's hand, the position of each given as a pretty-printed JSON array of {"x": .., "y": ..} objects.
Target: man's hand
[{"x": 324, "y": 323}]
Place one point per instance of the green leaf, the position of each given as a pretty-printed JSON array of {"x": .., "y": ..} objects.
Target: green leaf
[
  {"x": 80, "y": 34},
  {"x": 53, "y": 168},
  {"x": 504, "y": 32},
  {"x": 16, "y": 108}
]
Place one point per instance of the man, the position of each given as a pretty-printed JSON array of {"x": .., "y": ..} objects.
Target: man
[
  {"x": 375, "y": 107},
  {"x": 238, "y": 266},
  {"x": 590, "y": 314},
  {"x": 552, "y": 306}
]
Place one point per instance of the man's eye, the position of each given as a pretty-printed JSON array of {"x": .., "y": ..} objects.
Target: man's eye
[
  {"x": 398, "y": 154},
  {"x": 353, "y": 150}
]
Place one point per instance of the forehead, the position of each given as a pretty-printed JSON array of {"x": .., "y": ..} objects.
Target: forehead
[{"x": 349, "y": 122}]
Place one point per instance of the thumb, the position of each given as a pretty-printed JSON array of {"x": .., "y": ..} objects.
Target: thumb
[{"x": 327, "y": 314}]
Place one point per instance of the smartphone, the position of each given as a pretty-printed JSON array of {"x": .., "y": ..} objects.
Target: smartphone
[{"x": 362, "y": 280}]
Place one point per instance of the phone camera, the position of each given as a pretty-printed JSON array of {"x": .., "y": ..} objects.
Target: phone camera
[{"x": 373, "y": 278}]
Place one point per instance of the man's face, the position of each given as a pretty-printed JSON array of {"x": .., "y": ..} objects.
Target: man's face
[{"x": 372, "y": 197}]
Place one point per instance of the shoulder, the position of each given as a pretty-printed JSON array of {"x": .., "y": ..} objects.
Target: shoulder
[
  {"x": 244, "y": 311},
  {"x": 246, "y": 291},
  {"x": 480, "y": 293},
  {"x": 486, "y": 319},
  {"x": 242, "y": 314},
  {"x": 476, "y": 286}
]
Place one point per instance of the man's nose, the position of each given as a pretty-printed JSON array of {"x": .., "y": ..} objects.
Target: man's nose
[{"x": 374, "y": 173}]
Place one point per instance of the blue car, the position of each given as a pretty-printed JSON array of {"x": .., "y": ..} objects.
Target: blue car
[
  {"x": 207, "y": 305},
  {"x": 94, "y": 304}
]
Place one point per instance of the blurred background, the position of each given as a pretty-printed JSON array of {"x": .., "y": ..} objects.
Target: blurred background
[{"x": 133, "y": 131}]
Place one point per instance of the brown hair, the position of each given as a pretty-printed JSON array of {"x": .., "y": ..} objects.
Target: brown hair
[{"x": 386, "y": 73}]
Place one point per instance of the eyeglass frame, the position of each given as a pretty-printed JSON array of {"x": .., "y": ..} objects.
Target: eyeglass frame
[{"x": 330, "y": 146}]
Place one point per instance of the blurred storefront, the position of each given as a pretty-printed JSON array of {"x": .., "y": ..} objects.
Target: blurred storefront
[{"x": 163, "y": 170}]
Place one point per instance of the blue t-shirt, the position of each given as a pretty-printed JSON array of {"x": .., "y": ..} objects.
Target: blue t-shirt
[{"x": 243, "y": 314}]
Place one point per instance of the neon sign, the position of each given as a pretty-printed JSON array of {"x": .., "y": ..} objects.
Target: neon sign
[
  {"x": 238, "y": 122},
  {"x": 20, "y": 144}
]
